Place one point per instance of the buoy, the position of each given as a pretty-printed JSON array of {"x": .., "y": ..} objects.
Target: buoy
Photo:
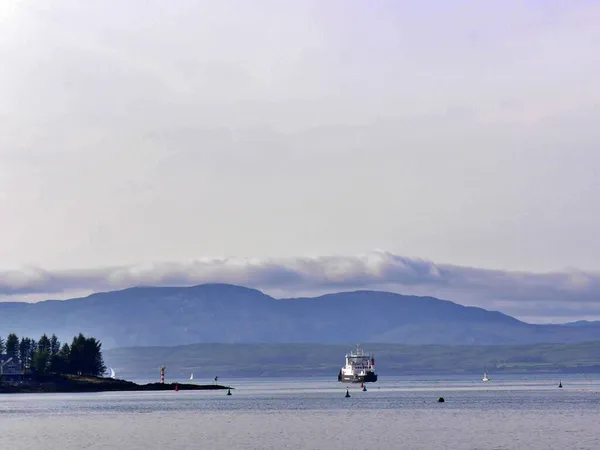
[
  {"x": 560, "y": 384},
  {"x": 176, "y": 387},
  {"x": 441, "y": 400},
  {"x": 347, "y": 393},
  {"x": 228, "y": 391}
]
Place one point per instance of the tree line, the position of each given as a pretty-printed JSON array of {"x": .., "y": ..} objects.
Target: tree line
[{"x": 48, "y": 356}]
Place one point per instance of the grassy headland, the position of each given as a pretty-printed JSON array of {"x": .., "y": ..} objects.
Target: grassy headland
[{"x": 72, "y": 383}]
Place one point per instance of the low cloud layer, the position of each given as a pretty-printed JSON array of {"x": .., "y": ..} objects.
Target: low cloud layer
[{"x": 538, "y": 297}]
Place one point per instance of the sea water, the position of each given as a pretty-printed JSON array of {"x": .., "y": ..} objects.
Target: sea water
[{"x": 401, "y": 413}]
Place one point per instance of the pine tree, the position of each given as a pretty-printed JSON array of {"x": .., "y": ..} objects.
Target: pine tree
[
  {"x": 44, "y": 344},
  {"x": 65, "y": 352},
  {"x": 32, "y": 351},
  {"x": 25, "y": 353},
  {"x": 59, "y": 362},
  {"x": 76, "y": 358},
  {"x": 54, "y": 345},
  {"x": 41, "y": 362},
  {"x": 94, "y": 364},
  {"x": 12, "y": 346}
]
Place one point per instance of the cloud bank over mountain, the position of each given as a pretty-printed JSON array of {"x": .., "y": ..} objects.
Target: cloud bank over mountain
[{"x": 533, "y": 296}]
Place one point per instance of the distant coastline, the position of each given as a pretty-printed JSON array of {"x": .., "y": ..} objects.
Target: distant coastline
[
  {"x": 308, "y": 360},
  {"x": 75, "y": 384}
]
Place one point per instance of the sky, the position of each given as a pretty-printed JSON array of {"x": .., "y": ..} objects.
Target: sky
[{"x": 304, "y": 147}]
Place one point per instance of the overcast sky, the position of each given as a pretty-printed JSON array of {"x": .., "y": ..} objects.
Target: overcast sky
[{"x": 143, "y": 133}]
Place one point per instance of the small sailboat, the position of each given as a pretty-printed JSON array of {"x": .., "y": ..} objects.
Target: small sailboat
[
  {"x": 176, "y": 388},
  {"x": 347, "y": 393},
  {"x": 112, "y": 375},
  {"x": 191, "y": 376},
  {"x": 485, "y": 378},
  {"x": 228, "y": 391},
  {"x": 560, "y": 384}
]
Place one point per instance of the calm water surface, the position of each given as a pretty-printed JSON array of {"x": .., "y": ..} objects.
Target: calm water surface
[{"x": 401, "y": 413}]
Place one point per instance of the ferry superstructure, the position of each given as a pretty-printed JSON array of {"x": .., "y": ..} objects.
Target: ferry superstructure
[{"x": 359, "y": 368}]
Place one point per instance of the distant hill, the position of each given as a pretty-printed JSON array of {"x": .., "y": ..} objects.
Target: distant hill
[
  {"x": 582, "y": 323},
  {"x": 306, "y": 360},
  {"x": 148, "y": 316}
]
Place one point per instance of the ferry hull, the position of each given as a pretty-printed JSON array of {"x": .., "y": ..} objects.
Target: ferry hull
[{"x": 370, "y": 377}]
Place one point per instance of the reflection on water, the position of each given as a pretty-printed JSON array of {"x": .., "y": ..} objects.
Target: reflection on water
[{"x": 508, "y": 412}]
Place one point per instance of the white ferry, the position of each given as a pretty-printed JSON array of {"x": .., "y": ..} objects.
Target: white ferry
[{"x": 359, "y": 368}]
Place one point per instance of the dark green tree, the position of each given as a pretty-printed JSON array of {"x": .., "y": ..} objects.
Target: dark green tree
[
  {"x": 12, "y": 345},
  {"x": 59, "y": 362},
  {"x": 25, "y": 352},
  {"x": 32, "y": 350},
  {"x": 65, "y": 352},
  {"x": 44, "y": 344},
  {"x": 54, "y": 345},
  {"x": 86, "y": 356},
  {"x": 94, "y": 364},
  {"x": 41, "y": 362},
  {"x": 76, "y": 358}
]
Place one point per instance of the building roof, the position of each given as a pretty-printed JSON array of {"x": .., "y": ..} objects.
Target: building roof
[{"x": 10, "y": 366}]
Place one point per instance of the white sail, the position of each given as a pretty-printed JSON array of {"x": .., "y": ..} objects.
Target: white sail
[
  {"x": 191, "y": 376},
  {"x": 112, "y": 372}
]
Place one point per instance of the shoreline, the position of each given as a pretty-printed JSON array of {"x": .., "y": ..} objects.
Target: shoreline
[{"x": 82, "y": 384}]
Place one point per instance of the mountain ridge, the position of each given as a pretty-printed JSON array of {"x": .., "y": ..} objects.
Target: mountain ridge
[{"x": 147, "y": 315}]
